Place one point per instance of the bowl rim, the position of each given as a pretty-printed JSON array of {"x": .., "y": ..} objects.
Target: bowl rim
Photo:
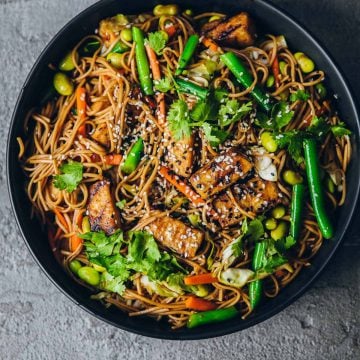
[{"x": 213, "y": 332}]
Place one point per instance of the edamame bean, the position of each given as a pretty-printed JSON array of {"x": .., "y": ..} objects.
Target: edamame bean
[
  {"x": 63, "y": 84},
  {"x": 67, "y": 64},
  {"x": 126, "y": 35},
  {"x": 166, "y": 10},
  {"x": 121, "y": 19},
  {"x": 305, "y": 63},
  {"x": 270, "y": 81},
  {"x": 115, "y": 60},
  {"x": 89, "y": 275},
  {"x": 270, "y": 224},
  {"x": 188, "y": 12},
  {"x": 292, "y": 177},
  {"x": 321, "y": 90},
  {"x": 268, "y": 141},
  {"x": 85, "y": 225},
  {"x": 278, "y": 212},
  {"x": 98, "y": 268},
  {"x": 75, "y": 266},
  {"x": 280, "y": 231},
  {"x": 282, "y": 67}
]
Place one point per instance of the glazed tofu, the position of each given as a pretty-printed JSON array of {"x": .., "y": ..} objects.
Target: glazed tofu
[
  {"x": 101, "y": 135},
  {"x": 177, "y": 236},
  {"x": 180, "y": 154},
  {"x": 101, "y": 208},
  {"x": 223, "y": 171},
  {"x": 237, "y": 31},
  {"x": 256, "y": 196}
]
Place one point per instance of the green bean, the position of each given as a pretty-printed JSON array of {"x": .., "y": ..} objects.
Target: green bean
[
  {"x": 67, "y": 64},
  {"x": 75, "y": 266},
  {"x": 63, "y": 84},
  {"x": 133, "y": 158},
  {"x": 120, "y": 48},
  {"x": 297, "y": 205},
  {"x": 142, "y": 62},
  {"x": 315, "y": 188},
  {"x": 191, "y": 88},
  {"x": 255, "y": 287},
  {"x": 243, "y": 75},
  {"x": 89, "y": 275},
  {"x": 89, "y": 48},
  {"x": 212, "y": 316},
  {"x": 187, "y": 53}
]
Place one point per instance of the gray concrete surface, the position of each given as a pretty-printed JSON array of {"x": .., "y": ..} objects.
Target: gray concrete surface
[{"x": 38, "y": 322}]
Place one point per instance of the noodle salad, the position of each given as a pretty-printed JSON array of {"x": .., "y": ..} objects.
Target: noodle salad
[{"x": 184, "y": 166}]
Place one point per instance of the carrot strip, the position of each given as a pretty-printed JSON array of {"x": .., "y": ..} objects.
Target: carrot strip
[
  {"x": 170, "y": 30},
  {"x": 155, "y": 69},
  {"x": 61, "y": 219},
  {"x": 75, "y": 241},
  {"x": 276, "y": 71},
  {"x": 81, "y": 109},
  {"x": 181, "y": 186},
  {"x": 113, "y": 159},
  {"x": 210, "y": 44},
  {"x": 200, "y": 279},
  {"x": 196, "y": 303}
]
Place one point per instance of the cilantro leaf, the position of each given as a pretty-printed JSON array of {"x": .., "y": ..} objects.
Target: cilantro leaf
[
  {"x": 121, "y": 204},
  {"x": 293, "y": 141},
  {"x": 112, "y": 283},
  {"x": 163, "y": 85},
  {"x": 281, "y": 114},
  {"x": 72, "y": 174},
  {"x": 157, "y": 41},
  {"x": 301, "y": 95},
  {"x": 142, "y": 245},
  {"x": 255, "y": 229},
  {"x": 178, "y": 118},
  {"x": 231, "y": 111},
  {"x": 340, "y": 130},
  {"x": 214, "y": 135}
]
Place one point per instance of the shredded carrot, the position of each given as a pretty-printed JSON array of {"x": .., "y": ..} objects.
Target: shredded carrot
[
  {"x": 155, "y": 69},
  {"x": 181, "y": 186},
  {"x": 75, "y": 241},
  {"x": 170, "y": 30},
  {"x": 210, "y": 44},
  {"x": 113, "y": 159},
  {"x": 276, "y": 71},
  {"x": 200, "y": 279},
  {"x": 196, "y": 303},
  {"x": 61, "y": 219},
  {"x": 81, "y": 109}
]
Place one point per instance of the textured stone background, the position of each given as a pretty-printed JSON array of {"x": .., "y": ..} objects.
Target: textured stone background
[{"x": 38, "y": 322}]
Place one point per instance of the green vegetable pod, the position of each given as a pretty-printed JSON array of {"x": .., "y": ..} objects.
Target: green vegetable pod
[
  {"x": 212, "y": 316},
  {"x": 66, "y": 63},
  {"x": 246, "y": 79},
  {"x": 188, "y": 53},
  {"x": 280, "y": 231},
  {"x": 120, "y": 47},
  {"x": 189, "y": 87},
  {"x": 142, "y": 62},
  {"x": 75, "y": 266},
  {"x": 297, "y": 205},
  {"x": 315, "y": 188},
  {"x": 255, "y": 287},
  {"x": 133, "y": 158},
  {"x": 115, "y": 60}
]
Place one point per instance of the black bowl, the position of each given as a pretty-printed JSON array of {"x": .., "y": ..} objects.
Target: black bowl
[{"x": 271, "y": 20}]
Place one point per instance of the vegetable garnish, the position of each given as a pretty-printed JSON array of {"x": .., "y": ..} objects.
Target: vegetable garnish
[
  {"x": 213, "y": 316},
  {"x": 157, "y": 41},
  {"x": 200, "y": 279},
  {"x": 198, "y": 304},
  {"x": 72, "y": 174},
  {"x": 188, "y": 52}
]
